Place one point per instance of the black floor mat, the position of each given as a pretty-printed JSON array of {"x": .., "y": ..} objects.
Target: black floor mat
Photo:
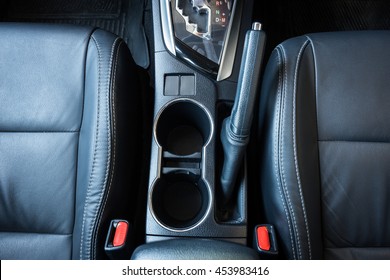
[
  {"x": 68, "y": 8},
  {"x": 124, "y": 18},
  {"x": 283, "y": 19}
]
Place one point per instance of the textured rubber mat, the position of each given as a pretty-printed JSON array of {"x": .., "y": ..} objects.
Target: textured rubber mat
[
  {"x": 106, "y": 14},
  {"x": 283, "y": 19},
  {"x": 69, "y": 8},
  {"x": 121, "y": 17}
]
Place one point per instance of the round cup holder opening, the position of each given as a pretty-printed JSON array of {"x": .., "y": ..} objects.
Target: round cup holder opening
[
  {"x": 180, "y": 200},
  {"x": 183, "y": 128}
]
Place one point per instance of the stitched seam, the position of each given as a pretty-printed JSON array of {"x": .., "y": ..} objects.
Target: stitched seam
[
  {"x": 291, "y": 209},
  {"x": 355, "y": 141},
  {"x": 108, "y": 153},
  {"x": 87, "y": 199},
  {"x": 37, "y": 233},
  {"x": 277, "y": 151},
  {"x": 95, "y": 151},
  {"x": 356, "y": 247},
  {"x": 113, "y": 131},
  {"x": 48, "y": 132},
  {"x": 315, "y": 71},
  {"x": 295, "y": 147},
  {"x": 312, "y": 46}
]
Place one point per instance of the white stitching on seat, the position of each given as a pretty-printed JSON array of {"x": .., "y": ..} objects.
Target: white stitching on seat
[
  {"x": 90, "y": 232},
  {"x": 87, "y": 198},
  {"x": 315, "y": 65},
  {"x": 113, "y": 133},
  {"x": 277, "y": 151},
  {"x": 297, "y": 237},
  {"x": 295, "y": 146},
  {"x": 109, "y": 146}
]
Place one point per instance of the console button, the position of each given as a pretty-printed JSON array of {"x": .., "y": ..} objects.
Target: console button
[
  {"x": 187, "y": 85},
  {"x": 171, "y": 87}
]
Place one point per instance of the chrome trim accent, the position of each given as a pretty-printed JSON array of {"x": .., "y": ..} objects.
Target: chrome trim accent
[
  {"x": 178, "y": 100},
  {"x": 256, "y": 26},
  {"x": 166, "y": 24},
  {"x": 211, "y": 199},
  {"x": 231, "y": 40},
  {"x": 159, "y": 147}
]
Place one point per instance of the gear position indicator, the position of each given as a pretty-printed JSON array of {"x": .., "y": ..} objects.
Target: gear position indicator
[{"x": 202, "y": 25}]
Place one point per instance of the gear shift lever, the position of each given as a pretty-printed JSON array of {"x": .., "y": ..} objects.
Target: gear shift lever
[{"x": 236, "y": 128}]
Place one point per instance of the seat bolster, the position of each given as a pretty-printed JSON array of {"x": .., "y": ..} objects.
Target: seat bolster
[
  {"x": 110, "y": 73},
  {"x": 289, "y": 142},
  {"x": 325, "y": 140},
  {"x": 41, "y": 108}
]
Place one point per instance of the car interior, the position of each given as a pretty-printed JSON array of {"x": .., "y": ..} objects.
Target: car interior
[{"x": 194, "y": 129}]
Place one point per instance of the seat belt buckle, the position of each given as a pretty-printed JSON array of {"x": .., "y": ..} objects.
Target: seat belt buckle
[
  {"x": 265, "y": 240},
  {"x": 117, "y": 245}
]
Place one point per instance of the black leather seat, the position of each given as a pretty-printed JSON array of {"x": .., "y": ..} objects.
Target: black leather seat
[
  {"x": 69, "y": 139},
  {"x": 325, "y": 161}
]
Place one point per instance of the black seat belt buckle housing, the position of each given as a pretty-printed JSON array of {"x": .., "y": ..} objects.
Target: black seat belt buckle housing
[
  {"x": 265, "y": 240},
  {"x": 118, "y": 243}
]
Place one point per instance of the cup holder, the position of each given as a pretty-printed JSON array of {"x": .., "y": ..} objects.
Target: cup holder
[
  {"x": 180, "y": 198},
  {"x": 180, "y": 201},
  {"x": 183, "y": 128}
]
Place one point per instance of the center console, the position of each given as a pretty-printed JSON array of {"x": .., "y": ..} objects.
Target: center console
[{"x": 197, "y": 52}]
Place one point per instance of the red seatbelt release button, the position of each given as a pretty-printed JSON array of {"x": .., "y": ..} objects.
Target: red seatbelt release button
[
  {"x": 263, "y": 238},
  {"x": 120, "y": 234}
]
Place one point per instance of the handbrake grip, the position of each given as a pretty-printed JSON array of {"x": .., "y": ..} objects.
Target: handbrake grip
[{"x": 236, "y": 128}]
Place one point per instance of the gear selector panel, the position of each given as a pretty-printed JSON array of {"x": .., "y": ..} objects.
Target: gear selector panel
[{"x": 202, "y": 25}]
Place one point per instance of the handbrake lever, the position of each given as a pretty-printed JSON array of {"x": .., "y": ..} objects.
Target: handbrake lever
[{"x": 236, "y": 128}]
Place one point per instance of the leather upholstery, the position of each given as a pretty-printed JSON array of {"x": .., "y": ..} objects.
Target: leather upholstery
[
  {"x": 69, "y": 123},
  {"x": 194, "y": 249},
  {"x": 325, "y": 157}
]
